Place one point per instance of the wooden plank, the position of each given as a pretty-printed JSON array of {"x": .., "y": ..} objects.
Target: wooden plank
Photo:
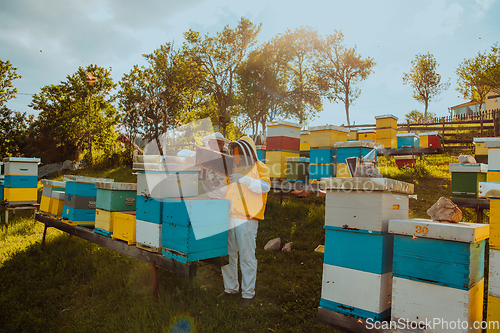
[
  {"x": 185, "y": 270},
  {"x": 411, "y": 151},
  {"x": 477, "y": 203}
]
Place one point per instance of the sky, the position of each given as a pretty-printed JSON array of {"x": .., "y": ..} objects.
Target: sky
[{"x": 48, "y": 40}]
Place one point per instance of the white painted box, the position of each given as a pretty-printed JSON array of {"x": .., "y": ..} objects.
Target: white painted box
[
  {"x": 493, "y": 158},
  {"x": 364, "y": 292},
  {"x": 283, "y": 128},
  {"x": 418, "y": 302},
  {"x": 425, "y": 228},
  {"x": 489, "y": 190},
  {"x": 494, "y": 276},
  {"x": 468, "y": 167},
  {"x": 167, "y": 185},
  {"x": 148, "y": 233},
  {"x": 20, "y": 169}
]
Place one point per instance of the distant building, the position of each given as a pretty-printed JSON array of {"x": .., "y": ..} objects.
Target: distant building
[{"x": 492, "y": 102}]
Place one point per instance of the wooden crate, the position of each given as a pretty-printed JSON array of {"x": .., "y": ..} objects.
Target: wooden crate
[
  {"x": 360, "y": 250},
  {"x": 148, "y": 234},
  {"x": 356, "y": 293},
  {"x": 326, "y": 136},
  {"x": 275, "y": 160},
  {"x": 386, "y": 120},
  {"x": 419, "y": 302},
  {"x": 103, "y": 220},
  {"x": 20, "y": 194},
  {"x": 494, "y": 273},
  {"x": 447, "y": 254},
  {"x": 493, "y": 318},
  {"x": 115, "y": 197},
  {"x": 364, "y": 210},
  {"x": 124, "y": 226}
]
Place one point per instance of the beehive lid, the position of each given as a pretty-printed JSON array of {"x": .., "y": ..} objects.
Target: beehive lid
[
  {"x": 116, "y": 186},
  {"x": 384, "y": 116},
  {"x": 366, "y": 184},
  {"x": 53, "y": 183},
  {"x": 354, "y": 144},
  {"x": 405, "y": 157},
  {"x": 490, "y": 139},
  {"x": 328, "y": 127},
  {"x": 366, "y": 131},
  {"x": 282, "y": 123},
  {"x": 165, "y": 167},
  {"x": 492, "y": 143},
  {"x": 431, "y": 133},
  {"x": 87, "y": 180},
  {"x": 297, "y": 159},
  {"x": 468, "y": 167},
  {"x": 458, "y": 232},
  {"x": 58, "y": 195},
  {"x": 489, "y": 190},
  {"x": 21, "y": 159},
  {"x": 164, "y": 159},
  {"x": 305, "y": 132},
  {"x": 407, "y": 134}
]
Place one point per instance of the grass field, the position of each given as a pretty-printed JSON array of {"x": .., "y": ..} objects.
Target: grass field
[{"x": 75, "y": 286}]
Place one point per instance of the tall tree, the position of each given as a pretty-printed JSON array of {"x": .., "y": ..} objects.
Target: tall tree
[
  {"x": 220, "y": 57},
  {"x": 14, "y": 133},
  {"x": 424, "y": 80},
  {"x": 415, "y": 116},
  {"x": 491, "y": 76},
  {"x": 472, "y": 74},
  {"x": 8, "y": 73},
  {"x": 340, "y": 69}
]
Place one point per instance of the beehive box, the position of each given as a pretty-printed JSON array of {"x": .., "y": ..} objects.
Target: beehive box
[
  {"x": 20, "y": 181},
  {"x": 367, "y": 135},
  {"x": 352, "y": 135},
  {"x": 115, "y": 197},
  {"x": 430, "y": 140},
  {"x": 21, "y": 166},
  {"x": 148, "y": 235},
  {"x": 1, "y": 190},
  {"x": 323, "y": 156},
  {"x": 480, "y": 145},
  {"x": 82, "y": 186},
  {"x": 494, "y": 274},
  {"x": 25, "y": 195},
  {"x": 103, "y": 222},
  {"x": 362, "y": 294},
  {"x": 493, "y": 176},
  {"x": 349, "y": 149},
  {"x": 167, "y": 184},
  {"x": 57, "y": 203},
  {"x": 276, "y": 162},
  {"x": 283, "y": 143},
  {"x": 194, "y": 229},
  {"x": 78, "y": 202},
  {"x": 493, "y": 315},
  {"x": 326, "y": 136},
  {"x": 124, "y": 224},
  {"x": 318, "y": 171},
  {"x": 419, "y": 302},
  {"x": 343, "y": 171},
  {"x": 492, "y": 191},
  {"x": 386, "y": 133},
  {"x": 149, "y": 209},
  {"x": 48, "y": 187},
  {"x": 405, "y": 160},
  {"x": 282, "y": 129},
  {"x": 388, "y": 143},
  {"x": 261, "y": 153},
  {"x": 465, "y": 178},
  {"x": 305, "y": 140},
  {"x": 78, "y": 216},
  {"x": 365, "y": 203},
  {"x": 493, "y": 158},
  {"x": 297, "y": 169},
  {"x": 407, "y": 140},
  {"x": 386, "y": 120}
]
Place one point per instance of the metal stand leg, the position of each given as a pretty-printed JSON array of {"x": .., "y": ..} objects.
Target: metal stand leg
[
  {"x": 6, "y": 219},
  {"x": 43, "y": 237},
  {"x": 155, "y": 280}
]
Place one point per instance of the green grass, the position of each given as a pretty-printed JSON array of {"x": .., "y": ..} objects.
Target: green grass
[{"x": 75, "y": 286}]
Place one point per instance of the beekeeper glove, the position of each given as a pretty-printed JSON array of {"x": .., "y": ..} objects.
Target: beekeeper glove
[{"x": 239, "y": 178}]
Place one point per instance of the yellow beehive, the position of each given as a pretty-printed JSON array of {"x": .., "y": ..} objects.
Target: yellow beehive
[
  {"x": 275, "y": 161},
  {"x": 493, "y": 177},
  {"x": 20, "y": 194},
  {"x": 103, "y": 220},
  {"x": 386, "y": 133},
  {"x": 326, "y": 136},
  {"x": 353, "y": 135},
  {"x": 480, "y": 144},
  {"x": 423, "y": 141},
  {"x": 368, "y": 135},
  {"x": 45, "y": 204},
  {"x": 493, "y": 319},
  {"x": 56, "y": 203},
  {"x": 495, "y": 224},
  {"x": 388, "y": 143},
  {"x": 305, "y": 143},
  {"x": 343, "y": 170},
  {"x": 386, "y": 120},
  {"x": 124, "y": 226}
]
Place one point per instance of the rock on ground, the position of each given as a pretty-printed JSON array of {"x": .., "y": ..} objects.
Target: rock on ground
[
  {"x": 273, "y": 245},
  {"x": 287, "y": 247}
]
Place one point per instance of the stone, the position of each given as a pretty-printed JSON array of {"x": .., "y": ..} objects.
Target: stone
[
  {"x": 444, "y": 210},
  {"x": 466, "y": 159},
  {"x": 273, "y": 245},
  {"x": 287, "y": 247}
]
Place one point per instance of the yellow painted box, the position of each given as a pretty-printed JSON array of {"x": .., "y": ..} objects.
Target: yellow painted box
[
  {"x": 495, "y": 224},
  {"x": 343, "y": 170},
  {"x": 388, "y": 143},
  {"x": 387, "y": 120},
  {"x": 305, "y": 140},
  {"x": 305, "y": 146},
  {"x": 326, "y": 136},
  {"x": 493, "y": 177},
  {"x": 124, "y": 226},
  {"x": 353, "y": 135},
  {"x": 424, "y": 141},
  {"x": 367, "y": 135},
  {"x": 20, "y": 194},
  {"x": 103, "y": 220},
  {"x": 275, "y": 161},
  {"x": 56, "y": 203},
  {"x": 386, "y": 133},
  {"x": 493, "y": 318},
  {"x": 481, "y": 149},
  {"x": 45, "y": 204}
]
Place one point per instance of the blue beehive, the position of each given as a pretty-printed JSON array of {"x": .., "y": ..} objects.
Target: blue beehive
[
  {"x": 148, "y": 209},
  {"x": 407, "y": 140},
  {"x": 20, "y": 181},
  {"x": 318, "y": 171},
  {"x": 323, "y": 156},
  {"x": 350, "y": 149},
  {"x": 194, "y": 229}
]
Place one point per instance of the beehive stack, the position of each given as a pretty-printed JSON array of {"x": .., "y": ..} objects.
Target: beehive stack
[
  {"x": 297, "y": 169},
  {"x": 21, "y": 180},
  {"x": 283, "y": 140},
  {"x": 113, "y": 198},
  {"x": 50, "y": 186},
  {"x": 369, "y": 135},
  {"x": 358, "y": 248},
  {"x": 407, "y": 140},
  {"x": 465, "y": 178},
  {"x": 438, "y": 272},
  {"x": 261, "y": 153},
  {"x": 481, "y": 152},
  {"x": 158, "y": 178},
  {"x": 493, "y": 147},
  {"x": 80, "y": 200},
  {"x": 323, "y": 155},
  {"x": 349, "y": 149},
  {"x": 387, "y": 128},
  {"x": 430, "y": 140},
  {"x": 305, "y": 143},
  {"x": 353, "y": 135}
]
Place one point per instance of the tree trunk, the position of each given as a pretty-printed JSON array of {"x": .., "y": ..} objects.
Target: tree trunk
[{"x": 346, "y": 103}]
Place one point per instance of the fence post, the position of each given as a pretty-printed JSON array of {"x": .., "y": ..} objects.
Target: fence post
[
  {"x": 481, "y": 125},
  {"x": 496, "y": 122},
  {"x": 408, "y": 125},
  {"x": 443, "y": 132}
]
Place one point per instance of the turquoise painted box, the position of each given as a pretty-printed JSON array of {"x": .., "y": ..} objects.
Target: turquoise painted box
[
  {"x": 323, "y": 156},
  {"x": 76, "y": 214},
  {"x": 20, "y": 181},
  {"x": 318, "y": 171},
  {"x": 346, "y": 152},
  {"x": 115, "y": 197},
  {"x": 83, "y": 186},
  {"x": 1, "y": 190},
  {"x": 408, "y": 140},
  {"x": 359, "y": 249},
  {"x": 148, "y": 209}
]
